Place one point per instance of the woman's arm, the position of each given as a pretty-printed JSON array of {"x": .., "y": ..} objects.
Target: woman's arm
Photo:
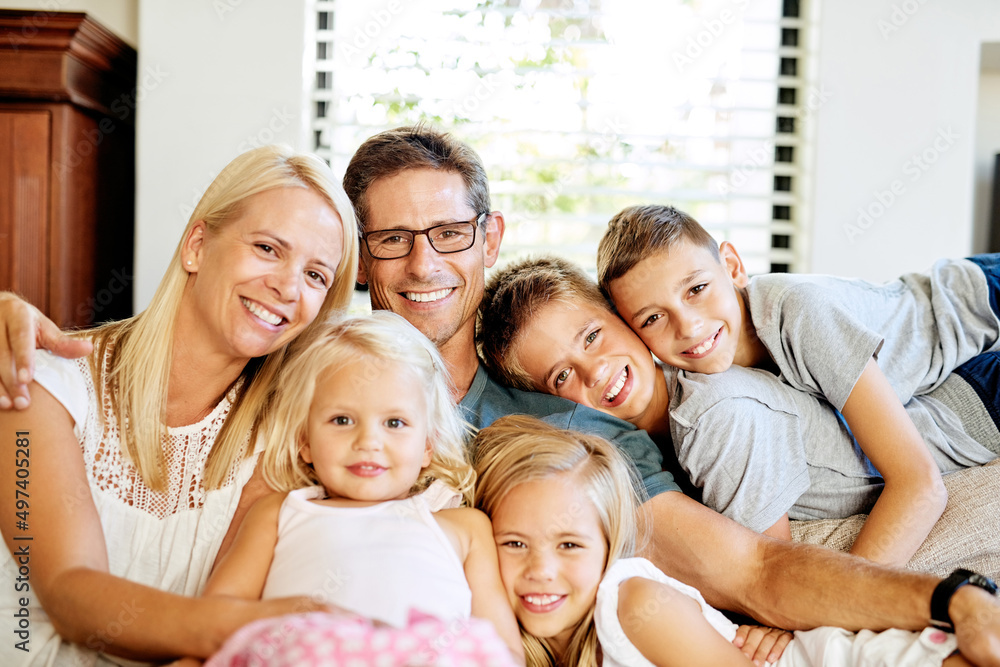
[
  {"x": 242, "y": 572},
  {"x": 668, "y": 628},
  {"x": 914, "y": 495},
  {"x": 69, "y": 562},
  {"x": 482, "y": 570}
]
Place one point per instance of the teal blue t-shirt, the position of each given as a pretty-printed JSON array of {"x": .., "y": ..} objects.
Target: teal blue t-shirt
[{"x": 487, "y": 401}]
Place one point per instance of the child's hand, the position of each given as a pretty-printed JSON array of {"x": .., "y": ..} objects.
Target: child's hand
[{"x": 761, "y": 643}]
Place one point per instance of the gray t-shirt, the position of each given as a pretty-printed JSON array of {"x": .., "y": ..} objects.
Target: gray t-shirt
[
  {"x": 487, "y": 401},
  {"x": 821, "y": 330},
  {"x": 758, "y": 448}
]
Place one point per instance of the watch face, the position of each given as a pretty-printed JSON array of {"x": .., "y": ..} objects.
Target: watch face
[{"x": 983, "y": 582}]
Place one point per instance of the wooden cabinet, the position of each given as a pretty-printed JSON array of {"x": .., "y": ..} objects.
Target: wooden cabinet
[{"x": 67, "y": 165}]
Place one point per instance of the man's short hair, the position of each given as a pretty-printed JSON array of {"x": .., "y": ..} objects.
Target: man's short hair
[
  {"x": 638, "y": 232},
  {"x": 416, "y": 147},
  {"x": 515, "y": 294}
]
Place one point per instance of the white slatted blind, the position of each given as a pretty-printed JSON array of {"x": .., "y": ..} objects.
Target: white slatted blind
[{"x": 582, "y": 107}]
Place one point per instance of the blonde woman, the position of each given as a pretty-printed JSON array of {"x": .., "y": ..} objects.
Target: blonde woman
[{"x": 133, "y": 459}]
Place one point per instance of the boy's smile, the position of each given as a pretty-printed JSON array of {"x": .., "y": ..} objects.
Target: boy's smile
[
  {"x": 574, "y": 349},
  {"x": 684, "y": 305}
]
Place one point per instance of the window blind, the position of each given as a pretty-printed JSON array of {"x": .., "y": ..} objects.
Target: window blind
[{"x": 581, "y": 107}]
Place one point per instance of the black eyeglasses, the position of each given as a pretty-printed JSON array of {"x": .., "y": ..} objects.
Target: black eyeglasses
[{"x": 445, "y": 238}]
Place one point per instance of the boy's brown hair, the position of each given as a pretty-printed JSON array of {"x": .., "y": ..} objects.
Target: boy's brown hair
[
  {"x": 640, "y": 231},
  {"x": 515, "y": 294}
]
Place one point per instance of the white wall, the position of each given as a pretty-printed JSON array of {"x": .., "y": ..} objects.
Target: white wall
[
  {"x": 215, "y": 79},
  {"x": 899, "y": 89},
  {"x": 118, "y": 16},
  {"x": 987, "y": 147}
]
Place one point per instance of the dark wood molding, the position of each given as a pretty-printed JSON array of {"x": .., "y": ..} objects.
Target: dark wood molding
[
  {"x": 67, "y": 165},
  {"x": 64, "y": 56}
]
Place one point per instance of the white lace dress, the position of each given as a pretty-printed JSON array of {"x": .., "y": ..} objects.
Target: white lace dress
[{"x": 167, "y": 540}]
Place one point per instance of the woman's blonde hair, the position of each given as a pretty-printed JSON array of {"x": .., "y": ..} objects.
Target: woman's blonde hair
[
  {"x": 518, "y": 449},
  {"x": 133, "y": 379},
  {"x": 382, "y": 339}
]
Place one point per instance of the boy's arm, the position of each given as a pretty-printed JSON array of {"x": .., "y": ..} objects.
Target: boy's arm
[
  {"x": 243, "y": 570},
  {"x": 914, "y": 495},
  {"x": 668, "y": 628},
  {"x": 782, "y": 529},
  {"x": 482, "y": 570},
  {"x": 802, "y": 586}
]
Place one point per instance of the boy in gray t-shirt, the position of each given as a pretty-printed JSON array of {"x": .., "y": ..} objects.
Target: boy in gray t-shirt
[{"x": 865, "y": 348}]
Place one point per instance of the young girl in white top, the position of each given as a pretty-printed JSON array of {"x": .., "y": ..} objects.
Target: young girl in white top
[
  {"x": 361, "y": 425},
  {"x": 564, "y": 511}
]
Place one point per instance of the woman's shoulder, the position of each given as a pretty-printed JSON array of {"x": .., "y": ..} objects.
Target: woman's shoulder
[{"x": 68, "y": 380}]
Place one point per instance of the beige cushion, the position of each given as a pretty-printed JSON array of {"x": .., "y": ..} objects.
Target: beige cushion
[{"x": 967, "y": 534}]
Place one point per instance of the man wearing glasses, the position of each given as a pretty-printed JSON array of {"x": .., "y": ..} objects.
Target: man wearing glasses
[{"x": 429, "y": 234}]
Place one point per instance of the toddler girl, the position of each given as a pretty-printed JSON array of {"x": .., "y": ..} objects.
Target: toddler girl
[
  {"x": 564, "y": 511},
  {"x": 361, "y": 425}
]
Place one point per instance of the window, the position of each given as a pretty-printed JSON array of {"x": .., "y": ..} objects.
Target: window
[{"x": 582, "y": 107}]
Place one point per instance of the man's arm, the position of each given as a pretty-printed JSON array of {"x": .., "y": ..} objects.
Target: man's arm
[
  {"x": 23, "y": 329},
  {"x": 799, "y": 586}
]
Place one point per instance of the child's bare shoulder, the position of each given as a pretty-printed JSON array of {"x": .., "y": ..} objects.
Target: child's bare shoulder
[
  {"x": 640, "y": 596},
  {"x": 469, "y": 518},
  {"x": 268, "y": 505},
  {"x": 468, "y": 528}
]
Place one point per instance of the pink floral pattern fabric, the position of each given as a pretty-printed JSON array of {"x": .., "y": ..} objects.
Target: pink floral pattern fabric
[{"x": 325, "y": 639}]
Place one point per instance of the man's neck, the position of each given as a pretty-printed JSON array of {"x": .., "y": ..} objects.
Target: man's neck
[{"x": 459, "y": 354}]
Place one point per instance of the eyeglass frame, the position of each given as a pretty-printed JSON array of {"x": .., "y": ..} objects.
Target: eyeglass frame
[{"x": 414, "y": 233}]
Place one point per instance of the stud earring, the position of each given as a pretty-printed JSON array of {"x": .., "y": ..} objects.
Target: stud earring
[{"x": 189, "y": 262}]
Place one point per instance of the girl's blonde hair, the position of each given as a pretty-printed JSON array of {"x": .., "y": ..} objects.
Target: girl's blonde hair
[
  {"x": 518, "y": 449},
  {"x": 133, "y": 378},
  {"x": 382, "y": 339}
]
